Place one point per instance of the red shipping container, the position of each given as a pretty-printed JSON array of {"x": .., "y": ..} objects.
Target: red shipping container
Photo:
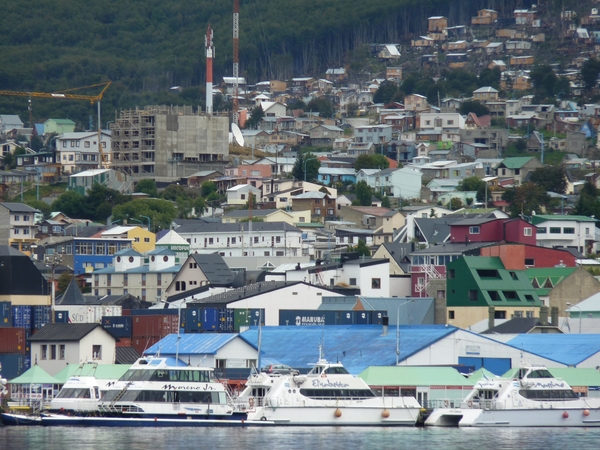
[
  {"x": 123, "y": 342},
  {"x": 147, "y": 325},
  {"x": 12, "y": 340},
  {"x": 170, "y": 325},
  {"x": 125, "y": 312},
  {"x": 141, "y": 344}
]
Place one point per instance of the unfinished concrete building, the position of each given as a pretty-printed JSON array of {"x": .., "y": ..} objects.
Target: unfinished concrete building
[{"x": 168, "y": 142}]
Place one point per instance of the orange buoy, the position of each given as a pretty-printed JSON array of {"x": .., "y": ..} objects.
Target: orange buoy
[
  {"x": 586, "y": 412},
  {"x": 338, "y": 413},
  {"x": 565, "y": 415},
  {"x": 385, "y": 414}
]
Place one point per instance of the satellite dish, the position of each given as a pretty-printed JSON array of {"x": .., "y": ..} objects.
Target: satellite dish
[{"x": 237, "y": 135}]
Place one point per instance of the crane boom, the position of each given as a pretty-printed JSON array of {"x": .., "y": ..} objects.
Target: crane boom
[{"x": 66, "y": 94}]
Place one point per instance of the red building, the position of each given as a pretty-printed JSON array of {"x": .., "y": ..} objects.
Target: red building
[
  {"x": 493, "y": 230},
  {"x": 519, "y": 256}
]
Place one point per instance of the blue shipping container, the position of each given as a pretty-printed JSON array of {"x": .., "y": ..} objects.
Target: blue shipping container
[
  {"x": 61, "y": 316},
  {"x": 306, "y": 317},
  {"x": 154, "y": 312},
  {"x": 12, "y": 365},
  {"x": 191, "y": 320},
  {"x": 346, "y": 317},
  {"x": 117, "y": 326},
  {"x": 22, "y": 316},
  {"x": 210, "y": 319},
  {"x": 41, "y": 315},
  {"x": 363, "y": 317},
  {"x": 377, "y": 317},
  {"x": 255, "y": 316},
  {"x": 5, "y": 314}
]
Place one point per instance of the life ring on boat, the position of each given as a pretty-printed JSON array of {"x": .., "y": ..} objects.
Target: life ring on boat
[
  {"x": 251, "y": 402},
  {"x": 263, "y": 418},
  {"x": 470, "y": 403},
  {"x": 446, "y": 404}
]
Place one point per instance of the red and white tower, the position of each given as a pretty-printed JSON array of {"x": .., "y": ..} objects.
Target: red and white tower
[{"x": 210, "y": 54}]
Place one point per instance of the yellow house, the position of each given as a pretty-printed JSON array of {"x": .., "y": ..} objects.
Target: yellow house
[{"x": 142, "y": 240}]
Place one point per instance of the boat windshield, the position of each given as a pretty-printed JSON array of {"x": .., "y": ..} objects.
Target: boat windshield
[
  {"x": 74, "y": 393},
  {"x": 540, "y": 373},
  {"x": 333, "y": 370},
  {"x": 199, "y": 376}
]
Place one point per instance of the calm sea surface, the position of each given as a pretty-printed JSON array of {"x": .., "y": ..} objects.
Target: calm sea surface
[{"x": 330, "y": 438}]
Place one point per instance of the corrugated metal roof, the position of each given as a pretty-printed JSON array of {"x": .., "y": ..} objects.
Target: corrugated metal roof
[
  {"x": 125, "y": 356},
  {"x": 413, "y": 376},
  {"x": 35, "y": 375},
  {"x": 192, "y": 344},
  {"x": 64, "y": 331},
  {"x": 99, "y": 371},
  {"x": 356, "y": 346},
  {"x": 567, "y": 349}
]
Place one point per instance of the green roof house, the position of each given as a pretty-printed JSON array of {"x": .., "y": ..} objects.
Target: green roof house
[
  {"x": 517, "y": 168},
  {"x": 474, "y": 284},
  {"x": 58, "y": 126}
]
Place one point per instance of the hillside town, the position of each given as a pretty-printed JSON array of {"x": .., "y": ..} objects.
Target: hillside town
[{"x": 451, "y": 234}]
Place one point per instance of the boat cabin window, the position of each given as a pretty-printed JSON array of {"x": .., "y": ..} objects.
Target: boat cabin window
[
  {"x": 485, "y": 394},
  {"x": 548, "y": 394},
  {"x": 74, "y": 393},
  {"x": 540, "y": 373},
  {"x": 197, "y": 376},
  {"x": 162, "y": 396},
  {"x": 336, "y": 370},
  {"x": 354, "y": 394}
]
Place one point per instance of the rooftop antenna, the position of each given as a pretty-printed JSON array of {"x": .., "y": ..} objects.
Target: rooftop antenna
[{"x": 236, "y": 62}]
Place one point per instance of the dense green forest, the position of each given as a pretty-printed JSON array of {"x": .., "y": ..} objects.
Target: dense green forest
[{"x": 146, "y": 47}]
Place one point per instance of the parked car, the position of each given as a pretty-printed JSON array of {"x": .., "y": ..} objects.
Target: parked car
[{"x": 280, "y": 369}]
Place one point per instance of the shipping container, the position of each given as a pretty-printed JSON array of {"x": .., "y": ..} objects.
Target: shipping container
[
  {"x": 41, "y": 315},
  {"x": 377, "y": 317},
  {"x": 26, "y": 362},
  {"x": 210, "y": 319},
  {"x": 154, "y": 325},
  {"x": 152, "y": 312},
  {"x": 303, "y": 317},
  {"x": 13, "y": 365},
  {"x": 61, "y": 316},
  {"x": 363, "y": 317},
  {"x": 21, "y": 316},
  {"x": 256, "y": 316},
  {"x": 6, "y": 314},
  {"x": 12, "y": 340},
  {"x": 345, "y": 318},
  {"x": 141, "y": 344},
  {"x": 118, "y": 326},
  {"x": 89, "y": 313},
  {"x": 191, "y": 320},
  {"x": 123, "y": 342},
  {"x": 226, "y": 316}
]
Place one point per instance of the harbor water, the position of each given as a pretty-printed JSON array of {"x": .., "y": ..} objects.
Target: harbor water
[{"x": 330, "y": 438}]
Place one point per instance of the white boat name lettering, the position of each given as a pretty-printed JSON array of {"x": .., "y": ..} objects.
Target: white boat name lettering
[{"x": 550, "y": 384}]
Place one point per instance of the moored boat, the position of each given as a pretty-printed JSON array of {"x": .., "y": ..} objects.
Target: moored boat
[
  {"x": 327, "y": 395},
  {"x": 533, "y": 398}
]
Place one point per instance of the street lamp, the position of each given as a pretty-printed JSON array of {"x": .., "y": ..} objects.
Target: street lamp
[
  {"x": 146, "y": 217},
  {"x": 136, "y": 220},
  {"x": 305, "y": 161},
  {"x": 570, "y": 305}
]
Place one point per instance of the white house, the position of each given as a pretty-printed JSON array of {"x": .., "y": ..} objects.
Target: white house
[
  {"x": 406, "y": 183},
  {"x": 449, "y": 122},
  {"x": 239, "y": 195},
  {"x": 56, "y": 345},
  {"x": 578, "y": 232},
  {"x": 243, "y": 239},
  {"x": 79, "y": 151},
  {"x": 371, "y": 276}
]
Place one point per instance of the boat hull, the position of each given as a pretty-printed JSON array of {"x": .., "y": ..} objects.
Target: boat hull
[
  {"x": 554, "y": 417},
  {"x": 144, "y": 422},
  {"x": 336, "y": 416},
  {"x": 20, "y": 419}
]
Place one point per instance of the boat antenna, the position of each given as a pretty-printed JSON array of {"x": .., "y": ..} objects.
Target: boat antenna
[{"x": 259, "y": 339}]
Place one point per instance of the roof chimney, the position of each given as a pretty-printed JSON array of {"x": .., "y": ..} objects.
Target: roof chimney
[
  {"x": 491, "y": 317},
  {"x": 385, "y": 321},
  {"x": 543, "y": 315},
  {"x": 554, "y": 315}
]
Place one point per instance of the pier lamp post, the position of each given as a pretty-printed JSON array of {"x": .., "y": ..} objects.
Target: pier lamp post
[{"x": 570, "y": 305}]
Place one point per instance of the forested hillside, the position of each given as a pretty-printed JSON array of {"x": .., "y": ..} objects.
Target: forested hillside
[{"x": 147, "y": 46}]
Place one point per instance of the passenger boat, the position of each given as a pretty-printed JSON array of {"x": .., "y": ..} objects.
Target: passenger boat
[
  {"x": 327, "y": 395},
  {"x": 533, "y": 398},
  {"x": 161, "y": 391}
]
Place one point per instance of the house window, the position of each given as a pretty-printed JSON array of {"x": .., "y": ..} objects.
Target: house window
[
  {"x": 256, "y": 239},
  {"x": 44, "y": 351},
  {"x": 473, "y": 295},
  {"x": 210, "y": 241},
  {"x": 61, "y": 351},
  {"x": 243, "y": 196},
  {"x": 451, "y": 315},
  {"x": 277, "y": 239},
  {"x": 451, "y": 274},
  {"x": 494, "y": 296},
  {"x": 488, "y": 273},
  {"x": 527, "y": 231},
  {"x": 529, "y": 297},
  {"x": 53, "y": 351},
  {"x": 143, "y": 279},
  {"x": 125, "y": 279},
  {"x": 473, "y": 230},
  {"x": 352, "y": 281},
  {"x": 96, "y": 352},
  {"x": 569, "y": 230},
  {"x": 500, "y": 315},
  {"x": 146, "y": 239},
  {"x": 317, "y": 211},
  {"x": 555, "y": 230},
  {"x": 530, "y": 262},
  {"x": 86, "y": 144},
  {"x": 375, "y": 283},
  {"x": 510, "y": 295},
  {"x": 267, "y": 254},
  {"x": 17, "y": 218}
]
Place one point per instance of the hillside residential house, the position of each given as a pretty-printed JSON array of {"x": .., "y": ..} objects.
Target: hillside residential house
[
  {"x": 200, "y": 270},
  {"x": 143, "y": 276},
  {"x": 556, "y": 231},
  {"x": 240, "y": 194},
  {"x": 142, "y": 240},
  {"x": 76, "y": 152},
  {"x": 517, "y": 168},
  {"x": 17, "y": 225},
  {"x": 58, "y": 126},
  {"x": 321, "y": 205}
]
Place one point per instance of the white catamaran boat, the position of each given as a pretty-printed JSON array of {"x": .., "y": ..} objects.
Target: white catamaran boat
[
  {"x": 533, "y": 398},
  {"x": 327, "y": 395},
  {"x": 161, "y": 391}
]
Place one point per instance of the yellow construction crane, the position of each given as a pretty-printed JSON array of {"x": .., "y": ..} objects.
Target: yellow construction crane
[{"x": 67, "y": 94}]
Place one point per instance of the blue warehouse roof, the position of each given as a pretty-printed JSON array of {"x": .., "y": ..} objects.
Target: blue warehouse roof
[
  {"x": 192, "y": 344},
  {"x": 568, "y": 349},
  {"x": 356, "y": 346}
]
